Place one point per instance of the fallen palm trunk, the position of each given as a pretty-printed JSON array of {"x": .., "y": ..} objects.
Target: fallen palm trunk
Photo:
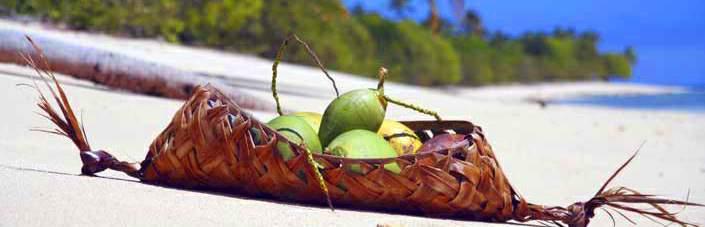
[
  {"x": 213, "y": 144},
  {"x": 116, "y": 70}
]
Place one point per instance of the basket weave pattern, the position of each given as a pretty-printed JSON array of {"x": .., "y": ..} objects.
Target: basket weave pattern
[
  {"x": 211, "y": 144},
  {"x": 202, "y": 149}
]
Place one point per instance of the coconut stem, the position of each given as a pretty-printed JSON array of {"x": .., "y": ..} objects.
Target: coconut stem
[
  {"x": 277, "y": 59},
  {"x": 413, "y": 107},
  {"x": 319, "y": 177},
  {"x": 309, "y": 159},
  {"x": 382, "y": 73}
]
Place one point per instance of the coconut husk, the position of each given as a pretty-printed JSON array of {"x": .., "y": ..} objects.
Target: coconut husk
[{"x": 212, "y": 144}]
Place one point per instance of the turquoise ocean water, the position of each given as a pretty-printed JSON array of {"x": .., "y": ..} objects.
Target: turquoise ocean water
[{"x": 691, "y": 101}]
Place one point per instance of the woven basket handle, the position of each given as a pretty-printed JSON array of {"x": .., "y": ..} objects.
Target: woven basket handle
[{"x": 277, "y": 59}]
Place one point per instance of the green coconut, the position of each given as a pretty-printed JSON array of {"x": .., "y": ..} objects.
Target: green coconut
[
  {"x": 296, "y": 130},
  {"x": 363, "y": 144},
  {"x": 357, "y": 109},
  {"x": 313, "y": 119}
]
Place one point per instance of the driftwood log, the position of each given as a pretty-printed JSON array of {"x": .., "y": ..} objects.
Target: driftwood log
[{"x": 116, "y": 70}]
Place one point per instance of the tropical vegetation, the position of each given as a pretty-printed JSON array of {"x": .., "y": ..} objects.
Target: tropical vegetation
[{"x": 431, "y": 52}]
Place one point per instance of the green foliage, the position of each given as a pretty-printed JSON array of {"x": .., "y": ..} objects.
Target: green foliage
[
  {"x": 339, "y": 41},
  {"x": 357, "y": 43},
  {"x": 560, "y": 60},
  {"x": 563, "y": 55},
  {"x": 412, "y": 53},
  {"x": 617, "y": 65},
  {"x": 216, "y": 23},
  {"x": 475, "y": 57},
  {"x": 506, "y": 59}
]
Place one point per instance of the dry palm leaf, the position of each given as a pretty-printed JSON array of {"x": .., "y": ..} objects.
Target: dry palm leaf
[{"x": 212, "y": 144}]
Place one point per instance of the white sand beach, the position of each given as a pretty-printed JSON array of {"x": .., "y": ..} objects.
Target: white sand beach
[{"x": 554, "y": 156}]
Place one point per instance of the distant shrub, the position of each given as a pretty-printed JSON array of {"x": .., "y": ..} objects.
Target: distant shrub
[
  {"x": 475, "y": 57},
  {"x": 338, "y": 40},
  {"x": 617, "y": 65},
  {"x": 216, "y": 23},
  {"x": 412, "y": 53}
]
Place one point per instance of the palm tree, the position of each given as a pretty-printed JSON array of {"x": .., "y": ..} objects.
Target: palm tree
[
  {"x": 434, "y": 19},
  {"x": 472, "y": 23}
]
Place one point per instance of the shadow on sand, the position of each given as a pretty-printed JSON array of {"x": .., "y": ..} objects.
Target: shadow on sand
[{"x": 245, "y": 197}]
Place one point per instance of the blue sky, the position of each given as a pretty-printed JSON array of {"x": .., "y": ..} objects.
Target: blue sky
[{"x": 669, "y": 36}]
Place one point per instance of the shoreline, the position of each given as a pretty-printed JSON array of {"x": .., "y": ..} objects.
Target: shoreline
[
  {"x": 550, "y": 92},
  {"x": 541, "y": 93}
]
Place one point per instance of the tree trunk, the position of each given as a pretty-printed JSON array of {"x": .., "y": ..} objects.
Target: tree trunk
[
  {"x": 433, "y": 21},
  {"x": 116, "y": 70}
]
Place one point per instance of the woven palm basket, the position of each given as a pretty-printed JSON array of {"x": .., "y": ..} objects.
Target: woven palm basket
[
  {"x": 212, "y": 144},
  {"x": 201, "y": 148}
]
